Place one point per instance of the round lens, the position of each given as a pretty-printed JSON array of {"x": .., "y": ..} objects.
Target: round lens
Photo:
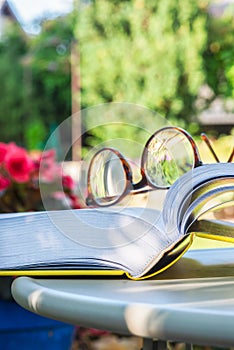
[
  {"x": 168, "y": 155},
  {"x": 107, "y": 178}
]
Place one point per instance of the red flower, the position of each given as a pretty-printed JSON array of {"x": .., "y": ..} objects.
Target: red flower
[
  {"x": 33, "y": 169},
  {"x": 75, "y": 204},
  {"x": 68, "y": 182},
  {"x": 50, "y": 155},
  {"x": 3, "y": 151},
  {"x": 4, "y": 183},
  {"x": 49, "y": 170},
  {"x": 18, "y": 164}
]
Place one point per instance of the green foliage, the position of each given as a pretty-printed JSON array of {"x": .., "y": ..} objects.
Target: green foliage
[
  {"x": 35, "y": 134},
  {"x": 35, "y": 82},
  {"x": 149, "y": 53},
  {"x": 50, "y": 64},
  {"x": 12, "y": 98},
  {"x": 219, "y": 56},
  {"x": 145, "y": 52}
]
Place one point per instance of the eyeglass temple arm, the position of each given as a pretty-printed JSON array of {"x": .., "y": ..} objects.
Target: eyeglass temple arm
[
  {"x": 231, "y": 156},
  {"x": 207, "y": 141}
]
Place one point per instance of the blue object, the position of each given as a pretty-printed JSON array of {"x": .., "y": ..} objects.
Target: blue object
[{"x": 25, "y": 330}]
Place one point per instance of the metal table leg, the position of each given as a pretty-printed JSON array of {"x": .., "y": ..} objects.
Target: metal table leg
[{"x": 154, "y": 344}]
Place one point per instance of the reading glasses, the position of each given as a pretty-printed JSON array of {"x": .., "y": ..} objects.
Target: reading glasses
[{"x": 169, "y": 153}]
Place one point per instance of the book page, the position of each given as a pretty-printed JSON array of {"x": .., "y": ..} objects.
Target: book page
[
  {"x": 212, "y": 195},
  {"x": 183, "y": 200},
  {"x": 84, "y": 238}
]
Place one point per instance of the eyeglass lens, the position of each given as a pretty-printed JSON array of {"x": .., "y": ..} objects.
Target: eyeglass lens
[
  {"x": 168, "y": 155},
  {"x": 107, "y": 178}
]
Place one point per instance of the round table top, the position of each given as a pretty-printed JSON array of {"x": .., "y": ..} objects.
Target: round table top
[{"x": 198, "y": 310}]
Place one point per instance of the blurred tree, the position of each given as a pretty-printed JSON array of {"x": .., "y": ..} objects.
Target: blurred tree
[
  {"x": 13, "y": 48},
  {"x": 49, "y": 61},
  {"x": 152, "y": 53},
  {"x": 35, "y": 82},
  {"x": 50, "y": 65},
  {"x": 143, "y": 51},
  {"x": 219, "y": 55}
]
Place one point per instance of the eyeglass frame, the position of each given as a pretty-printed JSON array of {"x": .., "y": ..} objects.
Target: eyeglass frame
[{"x": 130, "y": 186}]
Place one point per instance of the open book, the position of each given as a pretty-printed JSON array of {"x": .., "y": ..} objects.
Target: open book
[{"x": 138, "y": 242}]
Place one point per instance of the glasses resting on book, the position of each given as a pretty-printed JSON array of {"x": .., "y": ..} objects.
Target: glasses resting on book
[{"x": 169, "y": 153}]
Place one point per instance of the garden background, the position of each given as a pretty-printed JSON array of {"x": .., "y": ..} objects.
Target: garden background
[{"x": 175, "y": 57}]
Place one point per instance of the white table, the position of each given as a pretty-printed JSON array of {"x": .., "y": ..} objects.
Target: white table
[{"x": 192, "y": 302}]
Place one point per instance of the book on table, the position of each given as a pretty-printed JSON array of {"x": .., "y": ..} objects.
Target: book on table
[{"x": 138, "y": 242}]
